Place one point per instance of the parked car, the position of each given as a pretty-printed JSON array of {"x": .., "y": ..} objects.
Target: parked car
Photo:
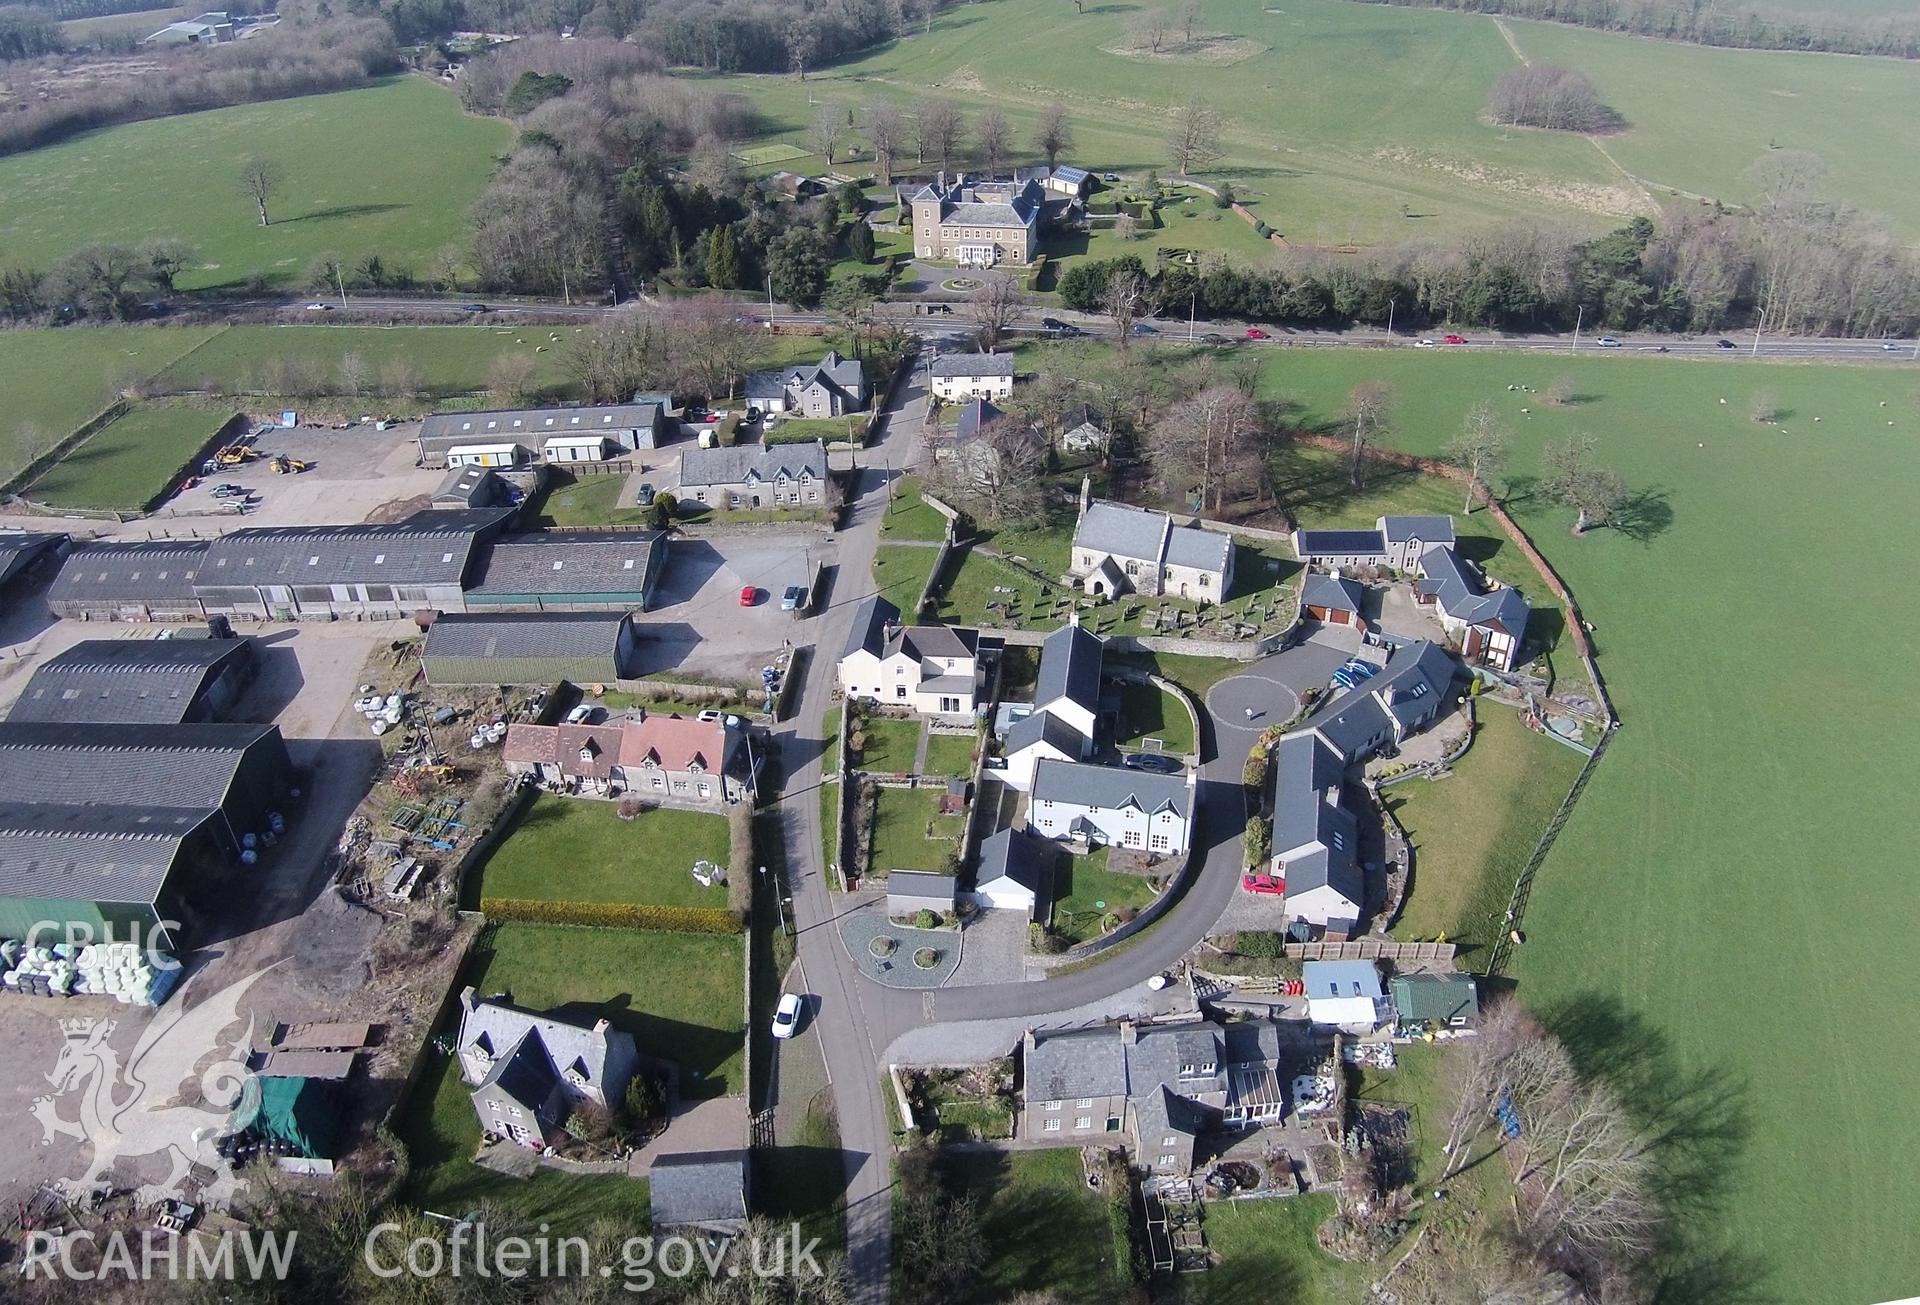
[
  {"x": 319, "y": 308},
  {"x": 1111, "y": 176},
  {"x": 1454, "y": 339},
  {"x": 1608, "y": 342},
  {"x": 1272, "y": 885},
  {"x": 1255, "y": 333},
  {"x": 1344, "y": 678},
  {"x": 1364, "y": 670},
  {"x": 646, "y": 495},
  {"x": 1726, "y": 344},
  {"x": 749, "y": 596},
  {"x": 580, "y": 715},
  {"x": 794, "y": 599},
  {"x": 1052, "y": 324},
  {"x": 751, "y": 416},
  {"x": 1152, "y": 762},
  {"x": 786, "y": 1016}
]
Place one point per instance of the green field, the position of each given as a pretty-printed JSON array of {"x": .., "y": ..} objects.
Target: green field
[
  {"x": 890, "y": 744},
  {"x": 951, "y": 755},
  {"x": 1148, "y": 711},
  {"x": 389, "y": 169},
  {"x": 900, "y": 832},
  {"x": 908, "y": 515},
  {"x": 1739, "y": 770},
  {"x": 130, "y": 460},
  {"x": 1473, "y": 831},
  {"x": 54, "y": 381},
  {"x": 451, "y": 360},
  {"x": 571, "y": 850},
  {"x": 1360, "y": 124},
  {"x": 678, "y": 994}
]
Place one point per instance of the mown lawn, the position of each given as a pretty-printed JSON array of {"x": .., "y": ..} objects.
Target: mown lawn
[
  {"x": 909, "y": 517},
  {"x": 679, "y": 994},
  {"x": 1472, "y": 833},
  {"x": 951, "y": 755},
  {"x": 1148, "y": 711},
  {"x": 901, "y": 571},
  {"x": 1268, "y": 1251},
  {"x": 54, "y": 381},
  {"x": 1044, "y": 1231},
  {"x": 175, "y": 176},
  {"x": 573, "y": 850},
  {"x": 900, "y": 832},
  {"x": 889, "y": 744},
  {"x": 586, "y": 501},
  {"x": 131, "y": 460},
  {"x": 1086, "y": 892}
]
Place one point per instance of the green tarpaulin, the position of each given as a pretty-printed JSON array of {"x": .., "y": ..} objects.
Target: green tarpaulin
[{"x": 297, "y": 1111}]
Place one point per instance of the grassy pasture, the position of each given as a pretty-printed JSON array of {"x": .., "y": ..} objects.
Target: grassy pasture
[
  {"x": 452, "y": 360},
  {"x": 128, "y": 461},
  {"x": 1360, "y": 124},
  {"x": 176, "y": 177}
]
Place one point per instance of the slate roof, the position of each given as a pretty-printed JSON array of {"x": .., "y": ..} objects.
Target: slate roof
[
  {"x": 921, "y": 883},
  {"x": 428, "y": 548},
  {"x": 698, "y": 1187},
  {"x": 1122, "y": 530},
  {"x": 1204, "y": 550},
  {"x": 1416, "y": 676},
  {"x": 1015, "y": 856},
  {"x": 1331, "y": 591},
  {"x": 546, "y": 634},
  {"x": 1304, "y": 768},
  {"x": 1043, "y": 727},
  {"x": 988, "y": 214},
  {"x": 1109, "y": 788},
  {"x": 500, "y": 1026},
  {"x": 835, "y": 370},
  {"x": 538, "y": 424},
  {"x": 524, "y": 1073},
  {"x": 1462, "y": 594},
  {"x": 972, "y": 364},
  {"x": 733, "y": 465},
  {"x": 973, "y": 415},
  {"x": 1080, "y": 1063},
  {"x": 137, "y": 681},
  {"x": 923, "y": 641},
  {"x": 1432, "y": 530},
  {"x": 1343, "y": 543},
  {"x": 1070, "y": 660},
  {"x": 466, "y": 486},
  {"x": 91, "y": 853},
  {"x": 156, "y": 571},
  {"x": 1100, "y": 1062},
  {"x": 870, "y": 622},
  {"x": 569, "y": 562}
]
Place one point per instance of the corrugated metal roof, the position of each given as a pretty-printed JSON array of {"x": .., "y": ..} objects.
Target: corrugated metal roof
[
  {"x": 134, "y": 681},
  {"x": 557, "y": 563},
  {"x": 551, "y": 634},
  {"x": 429, "y": 547},
  {"x": 144, "y": 572}
]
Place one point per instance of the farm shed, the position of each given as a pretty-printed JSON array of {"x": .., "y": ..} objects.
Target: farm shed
[
  {"x": 582, "y": 647},
  {"x": 917, "y": 890},
  {"x": 570, "y": 571},
  {"x": 23, "y": 556},
  {"x": 700, "y": 1189},
  {"x": 151, "y": 581},
  {"x": 139, "y": 682}
]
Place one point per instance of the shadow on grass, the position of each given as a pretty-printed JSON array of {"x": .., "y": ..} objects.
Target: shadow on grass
[
  {"x": 1699, "y": 1120},
  {"x": 340, "y": 211}
]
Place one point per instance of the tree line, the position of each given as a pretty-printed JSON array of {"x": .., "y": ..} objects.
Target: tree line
[
  {"x": 1797, "y": 264},
  {"x": 1558, "y": 99},
  {"x": 288, "y": 60},
  {"x": 1742, "y": 27}
]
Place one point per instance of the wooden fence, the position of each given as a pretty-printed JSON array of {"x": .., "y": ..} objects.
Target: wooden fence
[{"x": 1371, "y": 949}]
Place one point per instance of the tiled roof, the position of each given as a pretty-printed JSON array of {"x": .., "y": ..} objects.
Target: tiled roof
[
  {"x": 733, "y": 465},
  {"x": 674, "y": 742}
]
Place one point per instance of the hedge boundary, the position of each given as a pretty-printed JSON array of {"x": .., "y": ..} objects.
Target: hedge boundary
[{"x": 614, "y": 915}]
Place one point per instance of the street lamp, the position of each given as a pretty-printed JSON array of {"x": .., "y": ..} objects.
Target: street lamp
[
  {"x": 769, "y": 302},
  {"x": 1391, "y": 305},
  {"x": 1580, "y": 317}
]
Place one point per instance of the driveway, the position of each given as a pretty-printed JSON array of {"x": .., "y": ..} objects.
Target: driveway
[
  {"x": 351, "y": 472},
  {"x": 697, "y": 616}
]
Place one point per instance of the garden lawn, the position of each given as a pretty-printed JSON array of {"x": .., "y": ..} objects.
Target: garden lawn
[
  {"x": 805, "y": 430},
  {"x": 909, "y": 517},
  {"x": 441, "y": 1134},
  {"x": 891, "y": 744},
  {"x": 130, "y": 461},
  {"x": 1736, "y": 756},
  {"x": 1086, "y": 892},
  {"x": 1268, "y": 1251},
  {"x": 951, "y": 755},
  {"x": 55, "y": 381},
  {"x": 451, "y": 361},
  {"x": 389, "y": 169},
  {"x": 901, "y": 571},
  {"x": 1473, "y": 832},
  {"x": 575, "y": 850},
  {"x": 679, "y": 994},
  {"x": 1044, "y": 1231},
  {"x": 586, "y": 501},
  {"x": 1148, "y": 711},
  {"x": 900, "y": 838}
]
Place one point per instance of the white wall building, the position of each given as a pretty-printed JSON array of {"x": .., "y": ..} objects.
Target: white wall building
[{"x": 1108, "y": 806}]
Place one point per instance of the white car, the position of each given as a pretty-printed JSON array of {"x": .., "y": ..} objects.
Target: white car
[
  {"x": 709, "y": 717},
  {"x": 580, "y": 715},
  {"x": 786, "y": 1017},
  {"x": 1425, "y": 344},
  {"x": 319, "y": 308}
]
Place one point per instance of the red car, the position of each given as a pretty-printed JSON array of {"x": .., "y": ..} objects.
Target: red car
[
  {"x": 749, "y": 596},
  {"x": 1454, "y": 339},
  {"x": 1264, "y": 884},
  {"x": 1255, "y": 333}
]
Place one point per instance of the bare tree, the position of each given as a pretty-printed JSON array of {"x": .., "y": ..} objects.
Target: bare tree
[
  {"x": 1764, "y": 406},
  {"x": 1574, "y": 478},
  {"x": 938, "y": 132},
  {"x": 829, "y": 121},
  {"x": 1560, "y": 390},
  {"x": 887, "y": 133},
  {"x": 1189, "y": 19},
  {"x": 708, "y": 348},
  {"x": 166, "y": 258},
  {"x": 994, "y": 307},
  {"x": 622, "y": 354},
  {"x": 510, "y": 378},
  {"x": 261, "y": 180},
  {"x": 1205, "y": 442},
  {"x": 1194, "y": 142},
  {"x": 1046, "y": 402},
  {"x": 355, "y": 376},
  {"x": 802, "y": 40},
  {"x": 444, "y": 271},
  {"x": 1588, "y": 1174},
  {"x": 1369, "y": 406},
  {"x": 1479, "y": 450},
  {"x": 1559, "y": 99},
  {"x": 995, "y": 139},
  {"x": 401, "y": 378},
  {"x": 1126, "y": 226},
  {"x": 1123, "y": 301},
  {"x": 1054, "y": 135},
  {"x": 1149, "y": 30},
  {"x": 998, "y": 477}
]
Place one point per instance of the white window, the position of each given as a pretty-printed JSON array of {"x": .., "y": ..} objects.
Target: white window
[
  {"x": 1053, "y": 1105},
  {"x": 1169, "y": 1141},
  {"x": 494, "y": 1106},
  {"x": 1084, "y": 1102},
  {"x": 1051, "y": 1126},
  {"x": 1083, "y": 1122}
]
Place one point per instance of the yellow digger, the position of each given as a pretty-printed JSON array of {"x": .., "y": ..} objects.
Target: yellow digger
[
  {"x": 283, "y": 465},
  {"x": 235, "y": 454}
]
